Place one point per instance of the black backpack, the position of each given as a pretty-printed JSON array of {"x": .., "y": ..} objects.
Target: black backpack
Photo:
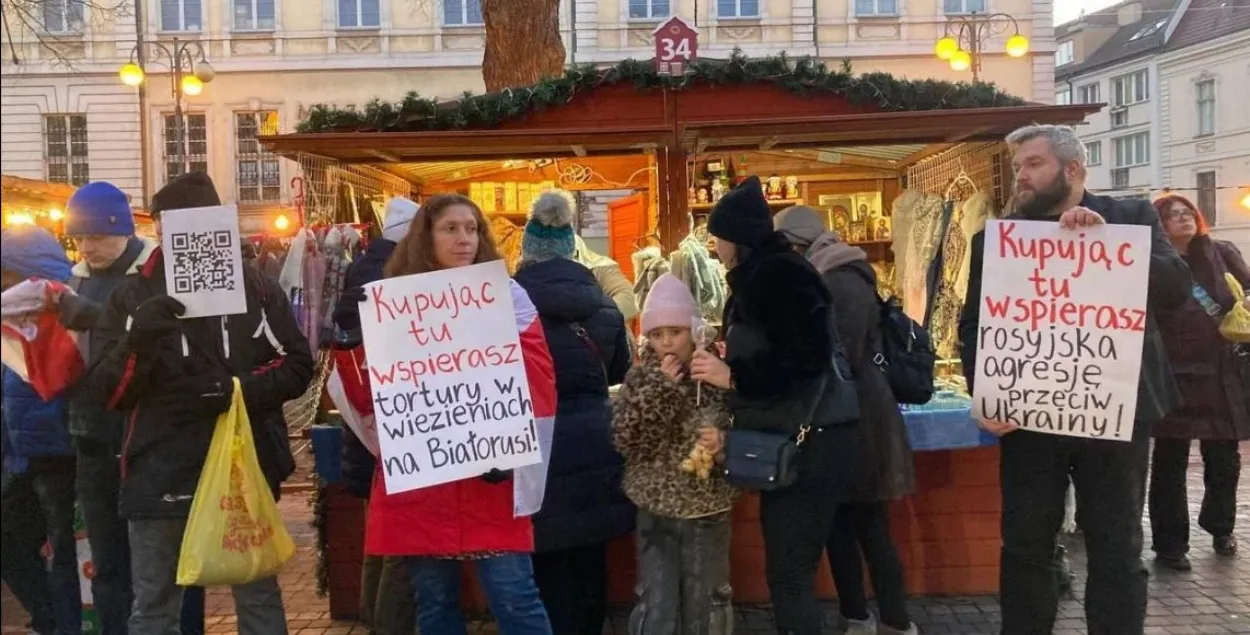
[{"x": 905, "y": 350}]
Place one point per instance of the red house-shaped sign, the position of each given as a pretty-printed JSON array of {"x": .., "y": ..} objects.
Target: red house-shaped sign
[{"x": 676, "y": 46}]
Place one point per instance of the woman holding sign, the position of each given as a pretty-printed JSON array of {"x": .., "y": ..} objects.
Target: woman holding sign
[
  {"x": 476, "y": 519},
  {"x": 1211, "y": 376}
]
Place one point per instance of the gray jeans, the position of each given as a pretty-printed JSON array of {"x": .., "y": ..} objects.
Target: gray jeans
[
  {"x": 154, "y": 546},
  {"x": 683, "y": 576},
  {"x": 387, "y": 601}
]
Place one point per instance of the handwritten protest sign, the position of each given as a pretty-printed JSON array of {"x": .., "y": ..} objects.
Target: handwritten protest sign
[
  {"x": 450, "y": 396},
  {"x": 204, "y": 260},
  {"x": 1063, "y": 314}
]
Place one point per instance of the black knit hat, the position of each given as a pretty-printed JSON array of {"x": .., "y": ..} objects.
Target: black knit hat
[
  {"x": 742, "y": 216},
  {"x": 193, "y": 189}
]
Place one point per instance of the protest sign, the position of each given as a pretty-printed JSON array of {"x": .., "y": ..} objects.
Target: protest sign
[
  {"x": 204, "y": 260},
  {"x": 450, "y": 395},
  {"x": 1063, "y": 315}
]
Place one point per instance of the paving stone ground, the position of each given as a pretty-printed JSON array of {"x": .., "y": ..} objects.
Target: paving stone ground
[{"x": 1213, "y": 599}]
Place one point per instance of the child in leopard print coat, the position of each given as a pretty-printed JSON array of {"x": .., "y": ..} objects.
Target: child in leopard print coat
[{"x": 683, "y": 520}]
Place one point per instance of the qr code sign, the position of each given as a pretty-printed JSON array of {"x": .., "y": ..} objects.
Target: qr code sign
[{"x": 203, "y": 261}]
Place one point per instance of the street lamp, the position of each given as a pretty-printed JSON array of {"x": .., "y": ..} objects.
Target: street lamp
[
  {"x": 963, "y": 47},
  {"x": 189, "y": 71}
]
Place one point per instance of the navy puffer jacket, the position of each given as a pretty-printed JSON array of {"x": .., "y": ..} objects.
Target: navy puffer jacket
[{"x": 584, "y": 503}]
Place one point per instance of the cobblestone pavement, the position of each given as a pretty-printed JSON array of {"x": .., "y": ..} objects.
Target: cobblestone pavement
[{"x": 1212, "y": 599}]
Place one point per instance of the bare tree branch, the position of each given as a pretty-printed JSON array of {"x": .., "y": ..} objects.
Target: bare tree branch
[{"x": 56, "y": 29}]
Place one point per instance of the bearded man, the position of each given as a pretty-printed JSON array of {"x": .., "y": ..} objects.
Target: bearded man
[{"x": 1109, "y": 476}]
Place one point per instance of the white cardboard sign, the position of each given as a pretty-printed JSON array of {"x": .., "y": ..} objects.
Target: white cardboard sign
[
  {"x": 1062, "y": 322},
  {"x": 451, "y": 399},
  {"x": 204, "y": 260}
]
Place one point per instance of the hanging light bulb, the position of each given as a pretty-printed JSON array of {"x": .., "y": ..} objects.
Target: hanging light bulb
[
  {"x": 131, "y": 74},
  {"x": 281, "y": 223},
  {"x": 1017, "y": 45},
  {"x": 192, "y": 85},
  {"x": 945, "y": 47},
  {"x": 56, "y": 215},
  {"x": 1245, "y": 201},
  {"x": 961, "y": 60}
]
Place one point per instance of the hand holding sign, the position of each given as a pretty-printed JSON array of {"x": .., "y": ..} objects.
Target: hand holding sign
[
  {"x": 1078, "y": 217},
  {"x": 997, "y": 429}
]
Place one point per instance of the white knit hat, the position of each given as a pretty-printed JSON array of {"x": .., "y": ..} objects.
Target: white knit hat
[
  {"x": 398, "y": 218},
  {"x": 669, "y": 303}
]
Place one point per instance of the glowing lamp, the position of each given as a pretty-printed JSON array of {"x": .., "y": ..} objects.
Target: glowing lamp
[
  {"x": 945, "y": 48},
  {"x": 961, "y": 60},
  {"x": 131, "y": 74},
  {"x": 1017, "y": 45},
  {"x": 1245, "y": 201},
  {"x": 56, "y": 215},
  {"x": 19, "y": 218},
  {"x": 281, "y": 223},
  {"x": 192, "y": 85}
]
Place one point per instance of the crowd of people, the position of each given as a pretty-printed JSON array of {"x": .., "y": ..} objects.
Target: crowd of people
[{"x": 795, "y": 369}]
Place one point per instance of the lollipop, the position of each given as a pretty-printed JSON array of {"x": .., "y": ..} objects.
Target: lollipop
[{"x": 701, "y": 332}]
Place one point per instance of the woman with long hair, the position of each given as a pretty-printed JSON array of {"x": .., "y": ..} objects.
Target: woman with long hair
[
  {"x": 1211, "y": 374},
  {"x": 779, "y": 338},
  {"x": 439, "y": 528}
]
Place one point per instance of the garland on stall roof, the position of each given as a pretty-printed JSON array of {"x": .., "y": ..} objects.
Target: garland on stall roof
[{"x": 800, "y": 75}]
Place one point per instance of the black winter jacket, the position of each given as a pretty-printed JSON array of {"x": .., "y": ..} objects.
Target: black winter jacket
[
  {"x": 584, "y": 503},
  {"x": 161, "y": 457}
]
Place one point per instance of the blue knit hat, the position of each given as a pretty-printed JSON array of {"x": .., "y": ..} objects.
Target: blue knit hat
[
  {"x": 99, "y": 209},
  {"x": 32, "y": 252},
  {"x": 549, "y": 230}
]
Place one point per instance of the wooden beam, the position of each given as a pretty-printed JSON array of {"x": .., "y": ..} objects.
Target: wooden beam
[
  {"x": 928, "y": 151},
  {"x": 385, "y": 156},
  {"x": 768, "y": 143},
  {"x": 579, "y": 150}
]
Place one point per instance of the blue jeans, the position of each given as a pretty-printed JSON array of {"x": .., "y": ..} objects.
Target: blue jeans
[{"x": 508, "y": 581}]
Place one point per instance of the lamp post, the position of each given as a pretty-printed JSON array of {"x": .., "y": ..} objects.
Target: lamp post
[
  {"x": 964, "y": 40},
  {"x": 189, "y": 70}
]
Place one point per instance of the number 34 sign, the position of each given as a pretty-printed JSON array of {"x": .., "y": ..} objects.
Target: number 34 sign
[{"x": 676, "y": 46}]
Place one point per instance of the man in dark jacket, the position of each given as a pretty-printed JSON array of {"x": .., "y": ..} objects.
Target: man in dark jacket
[
  {"x": 177, "y": 375},
  {"x": 99, "y": 220},
  {"x": 1109, "y": 476}
]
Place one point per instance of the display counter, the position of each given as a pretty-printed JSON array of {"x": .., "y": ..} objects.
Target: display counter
[{"x": 947, "y": 531}]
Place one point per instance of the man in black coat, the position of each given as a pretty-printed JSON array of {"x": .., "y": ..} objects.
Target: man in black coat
[
  {"x": 176, "y": 377},
  {"x": 1109, "y": 476}
]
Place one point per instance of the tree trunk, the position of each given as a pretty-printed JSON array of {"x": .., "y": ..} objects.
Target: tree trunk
[{"x": 523, "y": 43}]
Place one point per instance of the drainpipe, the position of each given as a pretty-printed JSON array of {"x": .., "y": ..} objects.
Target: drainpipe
[
  {"x": 141, "y": 59},
  {"x": 573, "y": 32}
]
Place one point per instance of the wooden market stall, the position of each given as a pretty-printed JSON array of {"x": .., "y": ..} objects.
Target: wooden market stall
[
  {"x": 855, "y": 147},
  {"x": 34, "y": 202}
]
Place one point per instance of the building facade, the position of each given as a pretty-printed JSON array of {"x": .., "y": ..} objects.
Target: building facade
[{"x": 67, "y": 117}]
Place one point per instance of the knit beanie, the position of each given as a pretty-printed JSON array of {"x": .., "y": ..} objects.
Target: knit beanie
[
  {"x": 99, "y": 209},
  {"x": 549, "y": 231},
  {"x": 193, "y": 189},
  {"x": 742, "y": 216},
  {"x": 669, "y": 303},
  {"x": 800, "y": 224},
  {"x": 398, "y": 218}
]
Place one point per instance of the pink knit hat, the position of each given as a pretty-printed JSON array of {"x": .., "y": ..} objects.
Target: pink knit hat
[{"x": 669, "y": 303}]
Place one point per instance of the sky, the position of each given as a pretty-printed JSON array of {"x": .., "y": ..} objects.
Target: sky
[{"x": 1068, "y": 10}]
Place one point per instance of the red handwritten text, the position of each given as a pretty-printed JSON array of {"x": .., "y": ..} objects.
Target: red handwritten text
[
  {"x": 453, "y": 301},
  {"x": 1078, "y": 250},
  {"x": 412, "y": 371}
]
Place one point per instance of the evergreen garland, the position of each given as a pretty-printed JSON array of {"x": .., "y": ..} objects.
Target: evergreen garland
[{"x": 801, "y": 75}]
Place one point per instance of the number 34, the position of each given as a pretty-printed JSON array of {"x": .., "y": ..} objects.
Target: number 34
[{"x": 679, "y": 48}]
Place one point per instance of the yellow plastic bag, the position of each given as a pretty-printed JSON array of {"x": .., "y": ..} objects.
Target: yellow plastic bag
[
  {"x": 1236, "y": 325},
  {"x": 234, "y": 534}
]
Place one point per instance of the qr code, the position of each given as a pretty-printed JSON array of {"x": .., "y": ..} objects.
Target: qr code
[{"x": 203, "y": 261}]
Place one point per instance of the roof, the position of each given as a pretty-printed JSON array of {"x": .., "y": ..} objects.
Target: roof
[
  {"x": 1206, "y": 20},
  {"x": 1127, "y": 42}
]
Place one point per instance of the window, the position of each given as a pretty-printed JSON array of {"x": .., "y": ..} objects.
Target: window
[
  {"x": 1206, "y": 196},
  {"x": 355, "y": 14},
  {"x": 737, "y": 8},
  {"x": 1093, "y": 153},
  {"x": 181, "y": 15},
  {"x": 1206, "y": 107},
  {"x": 1063, "y": 98},
  {"x": 62, "y": 16},
  {"x": 65, "y": 148},
  {"x": 953, "y": 7},
  {"x": 1149, "y": 29},
  {"x": 462, "y": 12},
  {"x": 1130, "y": 89},
  {"x": 187, "y": 152},
  {"x": 258, "y": 176},
  {"x": 1065, "y": 53},
  {"x": 1132, "y": 150},
  {"x": 871, "y": 8},
  {"x": 1119, "y": 117},
  {"x": 645, "y": 9},
  {"x": 1089, "y": 94},
  {"x": 253, "y": 15}
]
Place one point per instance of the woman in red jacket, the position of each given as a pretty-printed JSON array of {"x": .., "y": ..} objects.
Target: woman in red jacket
[{"x": 440, "y": 527}]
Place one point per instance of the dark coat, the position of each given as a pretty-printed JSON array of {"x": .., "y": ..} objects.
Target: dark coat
[
  {"x": 584, "y": 503},
  {"x": 883, "y": 462},
  {"x": 162, "y": 457},
  {"x": 1211, "y": 376},
  {"x": 1170, "y": 286}
]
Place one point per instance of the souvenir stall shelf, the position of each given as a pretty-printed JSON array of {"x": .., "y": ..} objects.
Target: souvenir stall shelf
[{"x": 859, "y": 149}]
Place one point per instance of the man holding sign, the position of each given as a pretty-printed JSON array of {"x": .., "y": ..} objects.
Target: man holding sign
[{"x": 1067, "y": 366}]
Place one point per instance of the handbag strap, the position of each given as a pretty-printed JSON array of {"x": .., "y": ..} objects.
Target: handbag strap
[{"x": 584, "y": 336}]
